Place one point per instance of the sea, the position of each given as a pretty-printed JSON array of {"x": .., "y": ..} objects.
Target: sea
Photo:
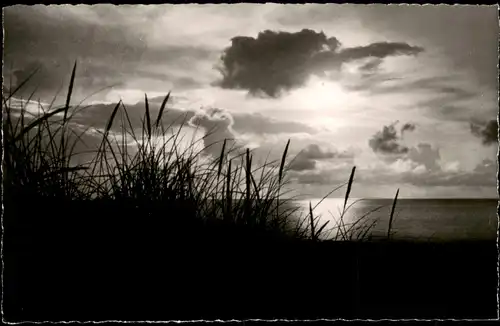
[{"x": 413, "y": 219}]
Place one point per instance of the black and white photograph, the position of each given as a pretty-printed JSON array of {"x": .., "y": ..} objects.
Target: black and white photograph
[{"x": 249, "y": 161}]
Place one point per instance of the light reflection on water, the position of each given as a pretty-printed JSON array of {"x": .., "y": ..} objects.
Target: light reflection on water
[{"x": 418, "y": 219}]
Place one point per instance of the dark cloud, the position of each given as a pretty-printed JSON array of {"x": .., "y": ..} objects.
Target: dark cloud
[
  {"x": 488, "y": 131},
  {"x": 407, "y": 127},
  {"x": 271, "y": 62},
  {"x": 275, "y": 62},
  {"x": 372, "y": 83},
  {"x": 379, "y": 50},
  {"x": 371, "y": 65},
  {"x": 387, "y": 141},
  {"x": 303, "y": 165}
]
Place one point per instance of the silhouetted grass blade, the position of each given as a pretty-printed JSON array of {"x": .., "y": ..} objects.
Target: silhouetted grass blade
[
  {"x": 148, "y": 116},
  {"x": 162, "y": 107},
  {"x": 221, "y": 159},
  {"x": 313, "y": 234},
  {"x": 349, "y": 185},
  {"x": 70, "y": 92},
  {"x": 112, "y": 118},
  {"x": 392, "y": 214},
  {"x": 283, "y": 159}
]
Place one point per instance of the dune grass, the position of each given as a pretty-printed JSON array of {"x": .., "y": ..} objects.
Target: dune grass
[{"x": 39, "y": 161}]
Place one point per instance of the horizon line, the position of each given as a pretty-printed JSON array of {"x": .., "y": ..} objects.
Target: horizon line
[{"x": 419, "y": 198}]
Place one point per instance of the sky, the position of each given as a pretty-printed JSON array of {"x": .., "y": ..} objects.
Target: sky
[{"x": 408, "y": 94}]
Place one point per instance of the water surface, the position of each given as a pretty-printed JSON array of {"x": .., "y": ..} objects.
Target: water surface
[{"x": 419, "y": 219}]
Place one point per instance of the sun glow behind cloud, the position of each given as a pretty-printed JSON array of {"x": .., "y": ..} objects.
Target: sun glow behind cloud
[
  {"x": 151, "y": 49},
  {"x": 327, "y": 99}
]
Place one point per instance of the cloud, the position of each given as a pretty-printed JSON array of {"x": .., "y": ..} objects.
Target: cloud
[
  {"x": 59, "y": 32},
  {"x": 480, "y": 177},
  {"x": 47, "y": 78},
  {"x": 303, "y": 165},
  {"x": 488, "y": 131},
  {"x": 486, "y": 166},
  {"x": 97, "y": 115},
  {"x": 371, "y": 65},
  {"x": 271, "y": 62},
  {"x": 82, "y": 143},
  {"x": 109, "y": 44},
  {"x": 444, "y": 85},
  {"x": 276, "y": 61},
  {"x": 217, "y": 124},
  {"x": 426, "y": 156},
  {"x": 401, "y": 173},
  {"x": 422, "y": 157},
  {"x": 447, "y": 96},
  {"x": 407, "y": 127},
  {"x": 379, "y": 50},
  {"x": 314, "y": 152},
  {"x": 307, "y": 158},
  {"x": 259, "y": 124},
  {"x": 330, "y": 177},
  {"x": 484, "y": 175},
  {"x": 313, "y": 178},
  {"x": 386, "y": 142},
  {"x": 453, "y": 30},
  {"x": 456, "y": 105}
]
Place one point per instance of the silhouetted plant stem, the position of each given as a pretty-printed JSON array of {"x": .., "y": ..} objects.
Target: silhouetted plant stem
[{"x": 392, "y": 215}]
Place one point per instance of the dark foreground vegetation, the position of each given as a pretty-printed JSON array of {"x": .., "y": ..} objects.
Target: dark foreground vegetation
[{"x": 160, "y": 234}]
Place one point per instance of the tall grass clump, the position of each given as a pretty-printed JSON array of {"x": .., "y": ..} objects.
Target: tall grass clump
[
  {"x": 151, "y": 174},
  {"x": 39, "y": 150}
]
